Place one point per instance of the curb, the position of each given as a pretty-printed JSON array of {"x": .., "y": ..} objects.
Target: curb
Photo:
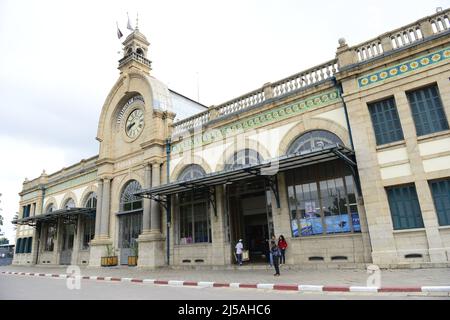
[{"x": 266, "y": 286}]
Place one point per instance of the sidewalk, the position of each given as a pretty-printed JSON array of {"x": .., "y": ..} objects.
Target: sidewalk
[{"x": 338, "y": 278}]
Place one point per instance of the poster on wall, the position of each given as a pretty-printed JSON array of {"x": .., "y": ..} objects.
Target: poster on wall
[
  {"x": 311, "y": 226},
  {"x": 306, "y": 227},
  {"x": 355, "y": 221},
  {"x": 337, "y": 224},
  {"x": 310, "y": 209}
]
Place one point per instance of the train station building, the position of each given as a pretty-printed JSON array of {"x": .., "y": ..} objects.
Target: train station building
[{"x": 349, "y": 160}]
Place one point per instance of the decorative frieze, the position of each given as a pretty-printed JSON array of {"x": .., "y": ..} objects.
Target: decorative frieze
[
  {"x": 404, "y": 68},
  {"x": 259, "y": 120}
]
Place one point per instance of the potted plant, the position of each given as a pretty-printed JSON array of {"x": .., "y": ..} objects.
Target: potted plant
[
  {"x": 111, "y": 258},
  {"x": 132, "y": 260}
]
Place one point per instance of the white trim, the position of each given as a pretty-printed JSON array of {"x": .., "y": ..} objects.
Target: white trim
[
  {"x": 264, "y": 286},
  {"x": 310, "y": 288}
]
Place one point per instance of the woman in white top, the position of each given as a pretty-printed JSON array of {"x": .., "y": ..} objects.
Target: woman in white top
[{"x": 239, "y": 248}]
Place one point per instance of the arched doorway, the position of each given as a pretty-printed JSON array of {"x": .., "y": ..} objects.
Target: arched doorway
[{"x": 130, "y": 219}]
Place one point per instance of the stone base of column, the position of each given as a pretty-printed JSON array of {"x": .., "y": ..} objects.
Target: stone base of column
[
  {"x": 438, "y": 255},
  {"x": 151, "y": 252},
  {"x": 384, "y": 257},
  {"x": 98, "y": 249}
]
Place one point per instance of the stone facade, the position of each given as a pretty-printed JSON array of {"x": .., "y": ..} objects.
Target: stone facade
[{"x": 154, "y": 149}]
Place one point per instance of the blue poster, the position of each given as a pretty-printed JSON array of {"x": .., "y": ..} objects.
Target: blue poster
[
  {"x": 311, "y": 226},
  {"x": 356, "y": 223},
  {"x": 337, "y": 224}
]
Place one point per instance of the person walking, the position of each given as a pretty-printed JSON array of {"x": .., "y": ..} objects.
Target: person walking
[
  {"x": 239, "y": 249},
  {"x": 282, "y": 244},
  {"x": 276, "y": 256}
]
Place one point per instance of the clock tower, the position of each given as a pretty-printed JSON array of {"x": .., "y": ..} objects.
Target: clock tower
[{"x": 135, "y": 53}]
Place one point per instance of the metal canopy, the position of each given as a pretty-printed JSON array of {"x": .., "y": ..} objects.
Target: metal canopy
[
  {"x": 67, "y": 214},
  {"x": 266, "y": 169}
]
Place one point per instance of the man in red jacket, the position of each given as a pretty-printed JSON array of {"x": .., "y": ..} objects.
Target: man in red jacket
[{"x": 282, "y": 244}]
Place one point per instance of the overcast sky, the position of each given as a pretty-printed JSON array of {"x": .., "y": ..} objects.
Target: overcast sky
[{"x": 58, "y": 61}]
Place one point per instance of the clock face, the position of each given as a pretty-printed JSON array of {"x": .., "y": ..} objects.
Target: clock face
[{"x": 135, "y": 123}]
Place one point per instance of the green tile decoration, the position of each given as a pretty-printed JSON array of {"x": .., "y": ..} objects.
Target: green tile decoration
[
  {"x": 256, "y": 121},
  {"x": 404, "y": 68}
]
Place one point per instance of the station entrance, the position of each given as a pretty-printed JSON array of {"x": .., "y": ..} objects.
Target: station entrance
[{"x": 250, "y": 211}]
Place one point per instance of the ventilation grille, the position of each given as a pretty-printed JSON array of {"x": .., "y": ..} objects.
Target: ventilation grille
[
  {"x": 316, "y": 259},
  {"x": 413, "y": 255},
  {"x": 339, "y": 258}
]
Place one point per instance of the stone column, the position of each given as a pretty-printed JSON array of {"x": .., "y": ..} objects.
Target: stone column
[
  {"x": 35, "y": 244},
  {"x": 98, "y": 211},
  {"x": 151, "y": 243},
  {"x": 99, "y": 244},
  {"x": 155, "y": 223},
  {"x": 77, "y": 241},
  {"x": 221, "y": 255},
  {"x": 146, "y": 202},
  {"x": 58, "y": 242},
  {"x": 104, "y": 222}
]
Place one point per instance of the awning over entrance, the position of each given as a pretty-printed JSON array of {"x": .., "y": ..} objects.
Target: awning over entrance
[
  {"x": 68, "y": 214},
  {"x": 267, "y": 169}
]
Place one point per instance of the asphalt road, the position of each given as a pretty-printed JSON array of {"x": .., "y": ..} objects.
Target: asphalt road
[{"x": 16, "y": 287}]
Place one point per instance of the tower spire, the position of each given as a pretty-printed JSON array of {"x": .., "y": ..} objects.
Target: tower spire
[{"x": 137, "y": 20}]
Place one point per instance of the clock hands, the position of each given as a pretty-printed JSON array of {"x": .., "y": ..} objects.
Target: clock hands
[{"x": 130, "y": 125}]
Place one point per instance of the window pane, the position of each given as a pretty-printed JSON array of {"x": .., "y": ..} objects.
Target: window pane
[
  {"x": 441, "y": 197},
  {"x": 385, "y": 121},
  {"x": 404, "y": 206},
  {"x": 427, "y": 110}
]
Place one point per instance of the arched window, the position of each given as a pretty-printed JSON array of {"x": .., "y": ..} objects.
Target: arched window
[
  {"x": 50, "y": 208},
  {"x": 129, "y": 201},
  {"x": 313, "y": 140},
  {"x": 91, "y": 200},
  {"x": 139, "y": 51},
  {"x": 242, "y": 158},
  {"x": 191, "y": 172},
  {"x": 70, "y": 203}
]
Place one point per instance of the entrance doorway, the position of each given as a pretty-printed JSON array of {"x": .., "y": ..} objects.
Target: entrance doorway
[
  {"x": 68, "y": 235},
  {"x": 130, "y": 227},
  {"x": 251, "y": 217}
]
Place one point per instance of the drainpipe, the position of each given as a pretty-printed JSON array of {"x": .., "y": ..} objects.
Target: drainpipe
[
  {"x": 338, "y": 85},
  {"x": 168, "y": 204}
]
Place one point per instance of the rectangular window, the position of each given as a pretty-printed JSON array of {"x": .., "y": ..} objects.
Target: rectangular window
[
  {"x": 194, "y": 224},
  {"x": 322, "y": 200},
  {"x": 18, "y": 244},
  {"x": 29, "y": 245},
  {"x": 427, "y": 110},
  {"x": 441, "y": 196},
  {"x": 26, "y": 211},
  {"x": 385, "y": 121},
  {"x": 405, "y": 208}
]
